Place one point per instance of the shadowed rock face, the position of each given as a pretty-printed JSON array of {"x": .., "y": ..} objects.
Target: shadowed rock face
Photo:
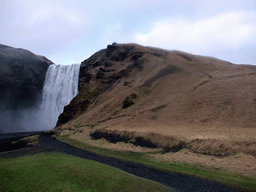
[
  {"x": 172, "y": 89},
  {"x": 22, "y": 75}
]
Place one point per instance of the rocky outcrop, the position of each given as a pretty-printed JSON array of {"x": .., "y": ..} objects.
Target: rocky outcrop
[
  {"x": 22, "y": 75},
  {"x": 101, "y": 71}
]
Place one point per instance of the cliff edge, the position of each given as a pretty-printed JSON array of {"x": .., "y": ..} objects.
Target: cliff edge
[{"x": 22, "y": 75}]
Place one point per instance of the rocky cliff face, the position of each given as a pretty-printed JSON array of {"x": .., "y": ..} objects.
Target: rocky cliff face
[
  {"x": 131, "y": 87},
  {"x": 22, "y": 76}
]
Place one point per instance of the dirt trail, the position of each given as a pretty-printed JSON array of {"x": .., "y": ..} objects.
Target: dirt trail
[{"x": 177, "y": 181}]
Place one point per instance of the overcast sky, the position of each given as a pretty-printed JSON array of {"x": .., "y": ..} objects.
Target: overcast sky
[{"x": 68, "y": 32}]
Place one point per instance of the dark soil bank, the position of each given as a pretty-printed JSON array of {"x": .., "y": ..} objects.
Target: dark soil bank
[
  {"x": 10, "y": 141},
  {"x": 177, "y": 181}
]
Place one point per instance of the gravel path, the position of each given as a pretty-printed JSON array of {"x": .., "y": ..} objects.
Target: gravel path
[{"x": 177, "y": 181}]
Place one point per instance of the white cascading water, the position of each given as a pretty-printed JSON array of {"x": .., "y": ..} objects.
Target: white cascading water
[{"x": 60, "y": 87}]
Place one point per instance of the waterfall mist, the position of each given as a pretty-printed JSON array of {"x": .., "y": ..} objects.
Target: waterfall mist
[{"x": 60, "y": 87}]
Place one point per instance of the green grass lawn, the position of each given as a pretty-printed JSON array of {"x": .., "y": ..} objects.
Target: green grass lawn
[
  {"x": 217, "y": 175},
  {"x": 60, "y": 172}
]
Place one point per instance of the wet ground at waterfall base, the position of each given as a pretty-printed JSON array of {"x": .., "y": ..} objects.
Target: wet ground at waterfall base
[{"x": 8, "y": 143}]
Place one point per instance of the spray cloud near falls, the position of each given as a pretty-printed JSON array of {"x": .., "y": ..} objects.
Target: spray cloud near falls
[{"x": 60, "y": 87}]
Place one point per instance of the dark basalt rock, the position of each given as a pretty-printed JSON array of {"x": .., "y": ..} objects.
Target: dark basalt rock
[
  {"x": 129, "y": 101},
  {"x": 22, "y": 76}
]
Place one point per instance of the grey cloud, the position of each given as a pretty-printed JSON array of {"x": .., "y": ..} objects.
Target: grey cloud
[{"x": 62, "y": 28}]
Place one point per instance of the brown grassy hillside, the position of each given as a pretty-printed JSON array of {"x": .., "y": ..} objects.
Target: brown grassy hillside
[
  {"x": 132, "y": 97},
  {"x": 143, "y": 89}
]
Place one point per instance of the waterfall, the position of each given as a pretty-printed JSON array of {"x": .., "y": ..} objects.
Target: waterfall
[{"x": 60, "y": 87}]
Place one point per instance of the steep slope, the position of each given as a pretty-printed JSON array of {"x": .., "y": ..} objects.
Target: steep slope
[
  {"x": 144, "y": 89},
  {"x": 22, "y": 75}
]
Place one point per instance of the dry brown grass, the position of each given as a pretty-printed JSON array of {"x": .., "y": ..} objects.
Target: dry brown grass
[
  {"x": 168, "y": 143},
  {"x": 173, "y": 88},
  {"x": 206, "y": 102},
  {"x": 222, "y": 148},
  {"x": 204, "y": 152},
  {"x": 239, "y": 163}
]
